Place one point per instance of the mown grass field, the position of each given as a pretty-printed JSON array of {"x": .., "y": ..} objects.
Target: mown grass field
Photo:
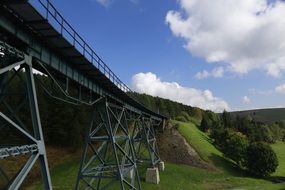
[{"x": 181, "y": 177}]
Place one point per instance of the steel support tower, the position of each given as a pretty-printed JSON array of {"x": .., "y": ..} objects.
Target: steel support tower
[
  {"x": 12, "y": 62},
  {"x": 121, "y": 134},
  {"x": 111, "y": 157}
]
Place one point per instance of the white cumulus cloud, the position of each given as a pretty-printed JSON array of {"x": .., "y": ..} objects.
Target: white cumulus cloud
[
  {"x": 246, "y": 99},
  {"x": 280, "y": 89},
  {"x": 150, "y": 84},
  {"x": 242, "y": 34}
]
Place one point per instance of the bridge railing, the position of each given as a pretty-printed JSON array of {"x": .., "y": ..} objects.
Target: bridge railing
[{"x": 66, "y": 30}]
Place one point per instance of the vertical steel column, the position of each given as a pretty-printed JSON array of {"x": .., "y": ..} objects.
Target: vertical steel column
[
  {"x": 38, "y": 133},
  {"x": 108, "y": 159},
  {"x": 145, "y": 141},
  {"x": 138, "y": 138},
  {"x": 9, "y": 118}
]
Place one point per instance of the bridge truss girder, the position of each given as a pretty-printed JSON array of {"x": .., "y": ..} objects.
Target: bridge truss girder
[{"x": 115, "y": 136}]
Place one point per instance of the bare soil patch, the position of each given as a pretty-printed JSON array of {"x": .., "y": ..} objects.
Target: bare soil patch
[{"x": 174, "y": 148}]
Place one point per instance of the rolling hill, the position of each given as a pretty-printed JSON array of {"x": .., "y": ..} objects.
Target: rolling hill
[{"x": 269, "y": 116}]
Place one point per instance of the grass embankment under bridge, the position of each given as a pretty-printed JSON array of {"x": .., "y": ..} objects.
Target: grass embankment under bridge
[{"x": 183, "y": 177}]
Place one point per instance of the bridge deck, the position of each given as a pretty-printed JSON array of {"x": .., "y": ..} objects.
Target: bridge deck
[{"x": 52, "y": 40}]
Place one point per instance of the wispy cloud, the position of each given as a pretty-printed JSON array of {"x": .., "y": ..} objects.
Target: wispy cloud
[
  {"x": 105, "y": 3},
  {"x": 280, "y": 89},
  {"x": 134, "y": 1},
  {"x": 216, "y": 73},
  {"x": 108, "y": 3},
  {"x": 254, "y": 91},
  {"x": 246, "y": 99}
]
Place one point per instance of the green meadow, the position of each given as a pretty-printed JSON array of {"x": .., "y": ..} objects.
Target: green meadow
[{"x": 182, "y": 177}]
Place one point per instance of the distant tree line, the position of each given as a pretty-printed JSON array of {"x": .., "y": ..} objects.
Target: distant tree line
[
  {"x": 244, "y": 140},
  {"x": 171, "y": 109}
]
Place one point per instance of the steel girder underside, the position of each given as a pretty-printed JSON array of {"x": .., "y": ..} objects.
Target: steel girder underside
[{"x": 118, "y": 140}]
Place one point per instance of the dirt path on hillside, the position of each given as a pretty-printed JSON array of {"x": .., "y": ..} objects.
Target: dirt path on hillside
[{"x": 174, "y": 148}]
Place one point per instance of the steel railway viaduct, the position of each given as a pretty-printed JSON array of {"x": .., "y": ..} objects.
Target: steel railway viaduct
[{"x": 35, "y": 36}]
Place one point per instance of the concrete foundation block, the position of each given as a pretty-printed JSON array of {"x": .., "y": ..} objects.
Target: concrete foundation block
[
  {"x": 152, "y": 175},
  {"x": 161, "y": 166}
]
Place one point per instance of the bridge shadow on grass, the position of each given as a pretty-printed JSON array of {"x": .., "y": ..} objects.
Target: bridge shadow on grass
[
  {"x": 232, "y": 169},
  {"x": 276, "y": 179},
  {"x": 227, "y": 166},
  {"x": 206, "y": 137}
]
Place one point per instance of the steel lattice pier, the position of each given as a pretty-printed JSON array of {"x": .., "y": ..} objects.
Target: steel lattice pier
[
  {"x": 121, "y": 135},
  {"x": 12, "y": 62}
]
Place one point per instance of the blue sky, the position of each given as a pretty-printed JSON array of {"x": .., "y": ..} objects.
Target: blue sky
[{"x": 155, "y": 47}]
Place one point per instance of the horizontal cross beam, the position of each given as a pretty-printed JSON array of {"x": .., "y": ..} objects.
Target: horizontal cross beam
[{"x": 18, "y": 150}]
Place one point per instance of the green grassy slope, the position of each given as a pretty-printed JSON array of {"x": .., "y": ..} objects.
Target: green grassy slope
[
  {"x": 201, "y": 142},
  {"x": 207, "y": 151},
  {"x": 279, "y": 148},
  {"x": 181, "y": 177}
]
